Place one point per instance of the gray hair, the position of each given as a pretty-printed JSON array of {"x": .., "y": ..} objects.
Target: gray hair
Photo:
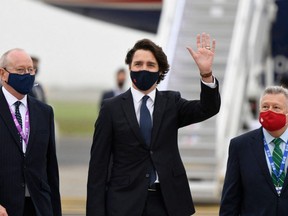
[
  {"x": 275, "y": 90},
  {"x": 3, "y": 59}
]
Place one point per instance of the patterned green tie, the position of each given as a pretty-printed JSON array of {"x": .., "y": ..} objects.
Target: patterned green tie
[{"x": 277, "y": 158}]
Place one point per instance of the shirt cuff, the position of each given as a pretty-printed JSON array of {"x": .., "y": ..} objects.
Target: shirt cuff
[{"x": 211, "y": 85}]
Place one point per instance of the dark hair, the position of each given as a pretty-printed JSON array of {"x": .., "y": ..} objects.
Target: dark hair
[
  {"x": 35, "y": 59},
  {"x": 146, "y": 44}
]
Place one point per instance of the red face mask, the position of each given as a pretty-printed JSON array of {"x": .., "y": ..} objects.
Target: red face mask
[{"x": 272, "y": 121}]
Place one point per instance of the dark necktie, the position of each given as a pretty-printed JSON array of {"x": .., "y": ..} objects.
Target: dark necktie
[
  {"x": 18, "y": 115},
  {"x": 145, "y": 121},
  {"x": 146, "y": 128},
  {"x": 277, "y": 158}
]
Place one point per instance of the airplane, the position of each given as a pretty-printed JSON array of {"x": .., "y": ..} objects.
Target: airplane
[{"x": 137, "y": 14}]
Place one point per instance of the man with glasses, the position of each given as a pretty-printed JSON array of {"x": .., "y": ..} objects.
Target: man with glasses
[{"x": 29, "y": 177}]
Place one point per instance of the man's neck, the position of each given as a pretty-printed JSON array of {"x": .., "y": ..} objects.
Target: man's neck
[
  {"x": 147, "y": 91},
  {"x": 278, "y": 133}
]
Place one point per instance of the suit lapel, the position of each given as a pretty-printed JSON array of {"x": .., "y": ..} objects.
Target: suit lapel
[
  {"x": 159, "y": 107},
  {"x": 285, "y": 184},
  {"x": 128, "y": 108},
  {"x": 8, "y": 120},
  {"x": 257, "y": 144}
]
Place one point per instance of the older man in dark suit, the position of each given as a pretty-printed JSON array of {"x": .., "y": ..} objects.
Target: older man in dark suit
[
  {"x": 139, "y": 130},
  {"x": 29, "y": 180},
  {"x": 256, "y": 180}
]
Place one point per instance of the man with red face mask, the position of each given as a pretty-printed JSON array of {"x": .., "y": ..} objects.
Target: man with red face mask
[{"x": 256, "y": 181}]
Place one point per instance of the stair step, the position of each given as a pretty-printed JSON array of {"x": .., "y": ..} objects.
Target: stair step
[
  {"x": 198, "y": 170},
  {"x": 205, "y": 191},
  {"x": 197, "y": 142}
]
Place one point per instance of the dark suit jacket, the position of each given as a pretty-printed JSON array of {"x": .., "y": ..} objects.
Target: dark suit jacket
[
  {"x": 38, "y": 92},
  {"x": 117, "y": 132},
  {"x": 38, "y": 168},
  {"x": 106, "y": 95},
  {"x": 248, "y": 187}
]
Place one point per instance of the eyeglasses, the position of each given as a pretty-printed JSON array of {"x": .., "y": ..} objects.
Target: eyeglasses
[{"x": 22, "y": 71}]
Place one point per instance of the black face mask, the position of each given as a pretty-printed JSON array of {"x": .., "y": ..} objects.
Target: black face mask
[
  {"x": 144, "y": 80},
  {"x": 21, "y": 83}
]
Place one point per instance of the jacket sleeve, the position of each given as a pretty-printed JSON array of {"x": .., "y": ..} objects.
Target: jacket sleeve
[
  {"x": 232, "y": 190},
  {"x": 193, "y": 111},
  {"x": 99, "y": 164}
]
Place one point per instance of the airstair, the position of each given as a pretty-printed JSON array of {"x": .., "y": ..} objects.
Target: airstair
[{"x": 200, "y": 144}]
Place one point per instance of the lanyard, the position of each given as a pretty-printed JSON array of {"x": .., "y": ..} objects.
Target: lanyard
[
  {"x": 282, "y": 167},
  {"x": 18, "y": 126}
]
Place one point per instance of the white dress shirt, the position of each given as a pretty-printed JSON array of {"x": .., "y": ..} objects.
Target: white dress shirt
[
  {"x": 22, "y": 108},
  {"x": 271, "y": 146}
]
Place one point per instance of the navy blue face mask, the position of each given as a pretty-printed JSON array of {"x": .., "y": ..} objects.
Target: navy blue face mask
[
  {"x": 143, "y": 79},
  {"x": 21, "y": 83}
]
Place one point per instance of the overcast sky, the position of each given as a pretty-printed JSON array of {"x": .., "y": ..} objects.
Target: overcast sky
[{"x": 75, "y": 51}]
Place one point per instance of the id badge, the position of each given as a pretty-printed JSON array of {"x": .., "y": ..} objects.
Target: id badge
[{"x": 278, "y": 189}]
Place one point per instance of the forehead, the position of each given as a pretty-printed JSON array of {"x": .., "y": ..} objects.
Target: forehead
[
  {"x": 274, "y": 99},
  {"x": 122, "y": 74},
  {"x": 19, "y": 58},
  {"x": 144, "y": 55}
]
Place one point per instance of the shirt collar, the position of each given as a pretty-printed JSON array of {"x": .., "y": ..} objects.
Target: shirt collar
[
  {"x": 270, "y": 138},
  {"x": 138, "y": 95},
  {"x": 11, "y": 99}
]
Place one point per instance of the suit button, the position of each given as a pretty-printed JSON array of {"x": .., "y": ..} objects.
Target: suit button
[
  {"x": 22, "y": 185},
  {"x": 151, "y": 152},
  {"x": 147, "y": 175}
]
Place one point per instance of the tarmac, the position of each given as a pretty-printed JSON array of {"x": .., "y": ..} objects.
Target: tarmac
[{"x": 73, "y": 157}]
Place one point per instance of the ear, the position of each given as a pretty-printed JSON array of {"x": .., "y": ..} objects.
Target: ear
[{"x": 2, "y": 74}]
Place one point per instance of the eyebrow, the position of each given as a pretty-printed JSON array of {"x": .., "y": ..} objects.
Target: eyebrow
[
  {"x": 150, "y": 62},
  {"x": 273, "y": 104},
  {"x": 137, "y": 61}
]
